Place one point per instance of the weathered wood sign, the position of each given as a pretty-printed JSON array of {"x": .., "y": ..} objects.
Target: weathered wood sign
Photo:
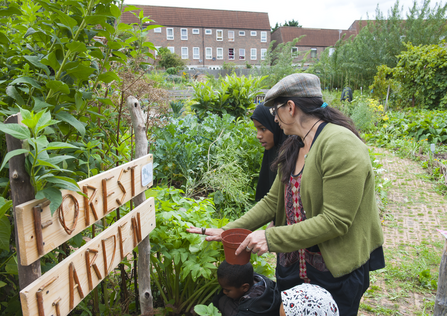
[
  {"x": 39, "y": 232},
  {"x": 59, "y": 290}
]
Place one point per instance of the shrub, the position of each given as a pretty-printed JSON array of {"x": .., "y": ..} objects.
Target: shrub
[{"x": 167, "y": 59}]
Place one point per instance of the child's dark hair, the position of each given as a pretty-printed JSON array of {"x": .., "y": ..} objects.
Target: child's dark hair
[
  {"x": 288, "y": 153},
  {"x": 234, "y": 274}
]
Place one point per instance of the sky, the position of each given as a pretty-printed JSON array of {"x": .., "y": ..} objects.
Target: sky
[{"x": 325, "y": 14}]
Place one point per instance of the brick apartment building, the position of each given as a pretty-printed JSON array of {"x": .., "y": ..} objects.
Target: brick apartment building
[
  {"x": 315, "y": 40},
  {"x": 207, "y": 38}
]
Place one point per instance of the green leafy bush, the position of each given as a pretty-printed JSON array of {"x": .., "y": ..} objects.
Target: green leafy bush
[
  {"x": 167, "y": 59},
  {"x": 219, "y": 156},
  {"x": 235, "y": 96}
]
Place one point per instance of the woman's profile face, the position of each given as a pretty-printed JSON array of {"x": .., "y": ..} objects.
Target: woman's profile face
[{"x": 265, "y": 137}]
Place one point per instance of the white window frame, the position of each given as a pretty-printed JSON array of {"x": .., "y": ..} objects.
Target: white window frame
[
  {"x": 229, "y": 56},
  {"x": 255, "y": 55},
  {"x": 313, "y": 50},
  {"x": 184, "y": 37},
  {"x": 208, "y": 31},
  {"x": 195, "y": 31},
  {"x": 171, "y": 49},
  {"x": 242, "y": 56},
  {"x": 194, "y": 55},
  {"x": 263, "y": 37},
  {"x": 184, "y": 56},
  {"x": 294, "y": 51},
  {"x": 219, "y": 38},
  {"x": 263, "y": 53},
  {"x": 230, "y": 38},
  {"x": 156, "y": 50},
  {"x": 208, "y": 53},
  {"x": 219, "y": 53},
  {"x": 157, "y": 30},
  {"x": 170, "y": 37},
  {"x": 241, "y": 33},
  {"x": 253, "y": 33}
]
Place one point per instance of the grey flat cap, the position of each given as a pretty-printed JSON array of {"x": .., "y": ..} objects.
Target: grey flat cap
[{"x": 295, "y": 85}]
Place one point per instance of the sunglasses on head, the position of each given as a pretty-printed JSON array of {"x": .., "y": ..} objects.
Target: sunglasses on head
[{"x": 275, "y": 108}]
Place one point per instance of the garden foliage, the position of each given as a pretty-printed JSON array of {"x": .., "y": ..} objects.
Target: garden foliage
[
  {"x": 234, "y": 95},
  {"x": 218, "y": 156}
]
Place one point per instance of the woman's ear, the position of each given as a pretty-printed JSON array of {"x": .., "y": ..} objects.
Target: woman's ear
[{"x": 291, "y": 107}]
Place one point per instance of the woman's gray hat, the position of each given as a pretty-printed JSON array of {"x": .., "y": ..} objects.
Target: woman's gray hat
[{"x": 296, "y": 85}]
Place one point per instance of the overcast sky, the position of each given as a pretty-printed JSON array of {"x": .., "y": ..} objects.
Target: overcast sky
[{"x": 328, "y": 14}]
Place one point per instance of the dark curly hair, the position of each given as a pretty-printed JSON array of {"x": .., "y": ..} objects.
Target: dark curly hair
[{"x": 234, "y": 274}]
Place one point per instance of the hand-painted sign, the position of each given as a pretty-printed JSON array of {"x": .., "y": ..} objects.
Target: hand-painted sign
[
  {"x": 39, "y": 232},
  {"x": 59, "y": 290}
]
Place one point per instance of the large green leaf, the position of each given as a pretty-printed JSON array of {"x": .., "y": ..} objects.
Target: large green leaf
[
  {"x": 52, "y": 194},
  {"x": 39, "y": 104},
  {"x": 15, "y": 130},
  {"x": 80, "y": 72},
  {"x": 11, "y": 154},
  {"x": 11, "y": 10},
  {"x": 27, "y": 80},
  {"x": 58, "y": 86},
  {"x": 5, "y": 233},
  {"x": 64, "y": 183},
  {"x": 67, "y": 20},
  {"x": 108, "y": 77},
  {"x": 12, "y": 92},
  {"x": 4, "y": 206},
  {"x": 70, "y": 119},
  {"x": 35, "y": 61},
  {"x": 60, "y": 145},
  {"x": 51, "y": 60},
  {"x": 77, "y": 47},
  {"x": 116, "y": 12},
  {"x": 4, "y": 39}
]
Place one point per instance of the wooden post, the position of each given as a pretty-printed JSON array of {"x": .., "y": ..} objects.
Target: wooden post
[
  {"x": 21, "y": 191},
  {"x": 441, "y": 295},
  {"x": 387, "y": 96},
  {"x": 144, "y": 248}
]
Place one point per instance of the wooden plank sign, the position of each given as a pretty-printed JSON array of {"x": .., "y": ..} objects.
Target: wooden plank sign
[
  {"x": 59, "y": 290},
  {"x": 39, "y": 232}
]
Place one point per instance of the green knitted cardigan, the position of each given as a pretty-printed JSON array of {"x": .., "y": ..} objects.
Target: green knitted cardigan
[{"x": 337, "y": 191}]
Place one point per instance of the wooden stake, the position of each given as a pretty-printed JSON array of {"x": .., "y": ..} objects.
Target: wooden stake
[
  {"x": 144, "y": 248},
  {"x": 441, "y": 295},
  {"x": 21, "y": 191}
]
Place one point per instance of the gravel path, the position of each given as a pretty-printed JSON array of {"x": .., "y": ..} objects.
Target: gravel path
[{"x": 412, "y": 244}]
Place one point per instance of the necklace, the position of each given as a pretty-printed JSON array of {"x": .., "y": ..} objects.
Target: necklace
[{"x": 309, "y": 130}]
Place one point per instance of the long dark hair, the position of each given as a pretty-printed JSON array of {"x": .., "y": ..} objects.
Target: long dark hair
[{"x": 288, "y": 153}]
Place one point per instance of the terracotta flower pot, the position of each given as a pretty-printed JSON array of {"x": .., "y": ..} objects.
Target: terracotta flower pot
[{"x": 231, "y": 239}]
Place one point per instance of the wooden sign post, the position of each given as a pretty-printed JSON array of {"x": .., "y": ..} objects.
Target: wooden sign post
[
  {"x": 39, "y": 232},
  {"x": 58, "y": 291}
]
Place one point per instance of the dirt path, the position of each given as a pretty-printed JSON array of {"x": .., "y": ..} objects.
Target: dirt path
[{"x": 412, "y": 244}]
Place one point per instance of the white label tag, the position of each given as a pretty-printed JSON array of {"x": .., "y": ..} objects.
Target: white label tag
[{"x": 146, "y": 174}]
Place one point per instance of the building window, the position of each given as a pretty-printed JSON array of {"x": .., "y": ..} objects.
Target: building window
[
  {"x": 331, "y": 51},
  {"x": 241, "y": 33},
  {"x": 253, "y": 33},
  {"x": 157, "y": 30},
  {"x": 208, "y": 32},
  {"x": 242, "y": 53},
  {"x": 156, "y": 50},
  {"x": 231, "y": 53},
  {"x": 219, "y": 53},
  {"x": 253, "y": 53},
  {"x": 263, "y": 53},
  {"x": 219, "y": 35},
  {"x": 195, "y": 31},
  {"x": 184, "y": 34},
  {"x": 170, "y": 34},
  {"x": 209, "y": 53},
  {"x": 264, "y": 37},
  {"x": 231, "y": 36},
  {"x": 171, "y": 49},
  {"x": 184, "y": 52},
  {"x": 313, "y": 53},
  {"x": 196, "y": 53},
  {"x": 294, "y": 52}
]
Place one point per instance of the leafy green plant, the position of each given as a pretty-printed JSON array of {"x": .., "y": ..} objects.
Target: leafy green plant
[
  {"x": 167, "y": 60},
  {"x": 43, "y": 156},
  {"x": 177, "y": 108},
  {"x": 426, "y": 279},
  {"x": 234, "y": 96},
  {"x": 204, "y": 310}
]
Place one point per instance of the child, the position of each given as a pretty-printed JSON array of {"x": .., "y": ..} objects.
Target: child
[
  {"x": 245, "y": 293},
  {"x": 308, "y": 299}
]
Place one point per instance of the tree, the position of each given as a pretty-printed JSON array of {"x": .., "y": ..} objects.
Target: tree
[
  {"x": 286, "y": 23},
  {"x": 167, "y": 59}
]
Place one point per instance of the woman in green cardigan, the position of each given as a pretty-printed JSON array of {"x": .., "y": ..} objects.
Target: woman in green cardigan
[{"x": 328, "y": 230}]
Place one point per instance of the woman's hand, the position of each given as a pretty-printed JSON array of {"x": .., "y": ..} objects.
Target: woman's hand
[
  {"x": 213, "y": 234},
  {"x": 255, "y": 242}
]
